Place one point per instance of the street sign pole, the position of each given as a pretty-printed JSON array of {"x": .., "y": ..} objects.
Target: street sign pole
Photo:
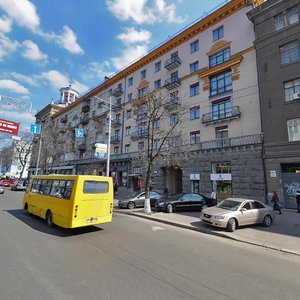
[
  {"x": 39, "y": 154},
  {"x": 108, "y": 142}
]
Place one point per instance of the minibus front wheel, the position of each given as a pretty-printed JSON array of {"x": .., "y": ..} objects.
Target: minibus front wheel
[{"x": 49, "y": 218}]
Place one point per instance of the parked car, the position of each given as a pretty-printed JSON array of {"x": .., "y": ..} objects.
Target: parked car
[
  {"x": 190, "y": 201},
  {"x": 138, "y": 200},
  {"x": 19, "y": 186},
  {"x": 234, "y": 212},
  {"x": 6, "y": 182},
  {"x": 2, "y": 188}
]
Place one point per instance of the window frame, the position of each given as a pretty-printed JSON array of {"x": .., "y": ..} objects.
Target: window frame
[
  {"x": 287, "y": 52},
  {"x": 195, "y": 137},
  {"x": 294, "y": 87},
  {"x": 218, "y": 33},
  {"x": 194, "y": 89},
  {"x": 194, "y": 67},
  {"x": 290, "y": 134},
  {"x": 195, "y": 112},
  {"x": 194, "y": 46},
  {"x": 218, "y": 79}
]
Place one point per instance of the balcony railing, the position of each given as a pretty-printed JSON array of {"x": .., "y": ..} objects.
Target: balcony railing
[
  {"x": 172, "y": 63},
  {"x": 115, "y": 140},
  {"x": 229, "y": 142},
  {"x": 115, "y": 123},
  {"x": 64, "y": 119},
  {"x": 173, "y": 103},
  {"x": 99, "y": 115},
  {"x": 117, "y": 91},
  {"x": 139, "y": 135},
  {"x": 172, "y": 83},
  {"x": 221, "y": 115},
  {"x": 116, "y": 107},
  {"x": 85, "y": 107},
  {"x": 82, "y": 147},
  {"x": 84, "y": 120}
]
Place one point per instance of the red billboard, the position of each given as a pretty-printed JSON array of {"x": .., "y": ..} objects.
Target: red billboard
[{"x": 9, "y": 127}]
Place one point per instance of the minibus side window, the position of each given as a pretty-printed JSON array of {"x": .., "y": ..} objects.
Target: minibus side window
[
  {"x": 58, "y": 187},
  {"x": 35, "y": 186},
  {"x": 45, "y": 187},
  {"x": 95, "y": 187},
  {"x": 68, "y": 190}
]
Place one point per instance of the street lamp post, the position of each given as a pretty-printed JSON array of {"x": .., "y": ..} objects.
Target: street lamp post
[
  {"x": 109, "y": 133},
  {"x": 39, "y": 154}
]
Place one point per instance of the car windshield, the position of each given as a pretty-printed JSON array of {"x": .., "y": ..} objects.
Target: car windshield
[{"x": 229, "y": 204}]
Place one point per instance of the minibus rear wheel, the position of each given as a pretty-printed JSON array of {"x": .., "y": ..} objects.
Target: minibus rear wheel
[{"x": 49, "y": 218}]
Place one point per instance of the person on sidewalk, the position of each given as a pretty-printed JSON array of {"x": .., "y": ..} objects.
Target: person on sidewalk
[
  {"x": 213, "y": 195},
  {"x": 276, "y": 205},
  {"x": 298, "y": 200},
  {"x": 166, "y": 192}
]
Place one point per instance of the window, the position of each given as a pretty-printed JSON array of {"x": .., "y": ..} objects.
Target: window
[
  {"x": 141, "y": 146},
  {"x": 157, "y": 84},
  {"x": 110, "y": 92},
  {"x": 218, "y": 33},
  {"x": 156, "y": 144},
  {"x": 116, "y": 150},
  {"x": 127, "y": 130},
  {"x": 174, "y": 96},
  {"x": 247, "y": 206},
  {"x": 257, "y": 205},
  {"x": 130, "y": 81},
  {"x": 219, "y": 57},
  {"x": 221, "y": 110},
  {"x": 287, "y": 18},
  {"x": 194, "y": 67},
  {"x": 174, "y": 57},
  {"x": 194, "y": 89},
  {"x": 142, "y": 92},
  {"x": 194, "y": 46},
  {"x": 143, "y": 74},
  {"x": 220, "y": 83},
  {"x": 129, "y": 97},
  {"x": 127, "y": 148},
  {"x": 128, "y": 114},
  {"x": 221, "y": 132},
  {"x": 291, "y": 88},
  {"x": 293, "y": 126},
  {"x": 158, "y": 66},
  {"x": 95, "y": 187},
  {"x": 173, "y": 119},
  {"x": 157, "y": 124},
  {"x": 290, "y": 52},
  {"x": 195, "y": 112},
  {"x": 117, "y": 134},
  {"x": 195, "y": 137}
]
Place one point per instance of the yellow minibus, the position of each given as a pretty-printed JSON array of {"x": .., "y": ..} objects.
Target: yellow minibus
[{"x": 70, "y": 201}]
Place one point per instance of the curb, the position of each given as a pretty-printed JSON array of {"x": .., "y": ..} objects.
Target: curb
[{"x": 207, "y": 231}]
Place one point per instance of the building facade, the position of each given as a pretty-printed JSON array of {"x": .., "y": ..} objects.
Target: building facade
[
  {"x": 277, "y": 43},
  {"x": 210, "y": 68}
]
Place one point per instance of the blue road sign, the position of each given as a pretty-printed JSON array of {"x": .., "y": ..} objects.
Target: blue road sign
[
  {"x": 79, "y": 132},
  {"x": 35, "y": 128}
]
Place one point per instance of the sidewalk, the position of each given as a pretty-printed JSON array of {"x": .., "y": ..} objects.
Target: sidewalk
[{"x": 283, "y": 235}]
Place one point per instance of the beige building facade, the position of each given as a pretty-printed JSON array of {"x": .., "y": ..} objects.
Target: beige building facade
[{"x": 210, "y": 68}]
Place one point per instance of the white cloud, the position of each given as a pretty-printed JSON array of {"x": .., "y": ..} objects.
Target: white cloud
[
  {"x": 13, "y": 86},
  {"x": 97, "y": 70},
  {"x": 7, "y": 46},
  {"x": 32, "y": 51},
  {"x": 68, "y": 40},
  {"x": 26, "y": 117},
  {"x": 23, "y": 12},
  {"x": 58, "y": 80},
  {"x": 138, "y": 11},
  {"x": 129, "y": 55},
  {"x": 132, "y": 36},
  {"x": 27, "y": 79},
  {"x": 5, "y": 24}
]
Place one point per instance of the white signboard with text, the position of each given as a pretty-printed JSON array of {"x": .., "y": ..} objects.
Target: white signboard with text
[{"x": 221, "y": 176}]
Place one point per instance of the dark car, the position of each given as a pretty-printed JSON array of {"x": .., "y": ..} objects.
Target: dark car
[
  {"x": 184, "y": 202},
  {"x": 138, "y": 200}
]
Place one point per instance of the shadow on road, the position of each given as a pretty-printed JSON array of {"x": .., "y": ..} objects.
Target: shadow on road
[{"x": 40, "y": 225}]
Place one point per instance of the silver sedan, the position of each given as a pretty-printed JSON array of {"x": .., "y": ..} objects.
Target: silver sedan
[
  {"x": 234, "y": 212},
  {"x": 139, "y": 199}
]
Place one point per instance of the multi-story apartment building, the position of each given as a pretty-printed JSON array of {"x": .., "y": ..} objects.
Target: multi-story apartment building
[
  {"x": 211, "y": 68},
  {"x": 277, "y": 42}
]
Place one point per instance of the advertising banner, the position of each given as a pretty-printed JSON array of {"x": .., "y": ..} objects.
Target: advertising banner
[
  {"x": 9, "y": 127},
  {"x": 101, "y": 151}
]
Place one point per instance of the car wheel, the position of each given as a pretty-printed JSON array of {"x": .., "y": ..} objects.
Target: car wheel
[
  {"x": 169, "y": 208},
  {"x": 267, "y": 222},
  {"x": 231, "y": 225},
  {"x": 49, "y": 219},
  {"x": 131, "y": 205}
]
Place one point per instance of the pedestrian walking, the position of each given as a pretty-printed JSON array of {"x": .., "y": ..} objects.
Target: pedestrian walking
[
  {"x": 213, "y": 195},
  {"x": 166, "y": 192},
  {"x": 298, "y": 200},
  {"x": 275, "y": 200}
]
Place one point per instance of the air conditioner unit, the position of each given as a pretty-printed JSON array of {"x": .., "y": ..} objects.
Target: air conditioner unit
[{"x": 296, "y": 96}]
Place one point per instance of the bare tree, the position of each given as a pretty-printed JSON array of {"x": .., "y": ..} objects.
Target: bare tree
[
  {"x": 159, "y": 115},
  {"x": 6, "y": 157}
]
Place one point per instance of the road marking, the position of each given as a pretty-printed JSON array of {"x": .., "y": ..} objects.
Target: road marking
[{"x": 156, "y": 228}]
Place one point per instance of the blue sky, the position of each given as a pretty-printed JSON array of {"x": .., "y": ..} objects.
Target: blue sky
[{"x": 44, "y": 45}]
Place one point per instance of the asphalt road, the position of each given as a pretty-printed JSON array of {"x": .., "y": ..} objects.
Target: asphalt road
[{"x": 132, "y": 258}]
